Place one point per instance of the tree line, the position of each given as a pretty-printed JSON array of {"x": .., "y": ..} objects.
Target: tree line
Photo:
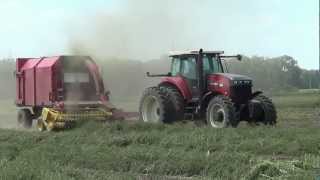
[
  {"x": 125, "y": 78},
  {"x": 279, "y": 73}
]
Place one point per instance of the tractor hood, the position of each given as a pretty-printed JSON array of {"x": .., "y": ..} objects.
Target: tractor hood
[
  {"x": 234, "y": 77},
  {"x": 237, "y": 87}
]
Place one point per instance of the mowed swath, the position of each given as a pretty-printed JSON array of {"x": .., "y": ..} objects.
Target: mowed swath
[{"x": 140, "y": 150}]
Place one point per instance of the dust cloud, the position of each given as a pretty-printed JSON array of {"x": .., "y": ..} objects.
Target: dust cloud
[
  {"x": 141, "y": 29},
  {"x": 7, "y": 94},
  {"x": 136, "y": 39}
]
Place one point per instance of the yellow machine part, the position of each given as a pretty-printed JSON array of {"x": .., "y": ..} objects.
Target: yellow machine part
[{"x": 53, "y": 119}]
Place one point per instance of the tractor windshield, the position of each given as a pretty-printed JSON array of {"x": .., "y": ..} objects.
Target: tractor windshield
[
  {"x": 211, "y": 64},
  {"x": 188, "y": 67}
]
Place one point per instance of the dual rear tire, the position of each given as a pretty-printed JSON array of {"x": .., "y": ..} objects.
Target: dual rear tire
[{"x": 156, "y": 106}]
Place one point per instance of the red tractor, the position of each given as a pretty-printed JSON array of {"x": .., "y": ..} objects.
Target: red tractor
[{"x": 199, "y": 88}]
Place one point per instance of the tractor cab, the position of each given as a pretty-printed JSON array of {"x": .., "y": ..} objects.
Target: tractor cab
[
  {"x": 187, "y": 65},
  {"x": 196, "y": 73}
]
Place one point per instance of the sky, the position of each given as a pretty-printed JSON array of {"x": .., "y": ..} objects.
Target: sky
[{"x": 32, "y": 28}]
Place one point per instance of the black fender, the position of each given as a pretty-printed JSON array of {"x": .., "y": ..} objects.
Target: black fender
[
  {"x": 206, "y": 99},
  {"x": 207, "y": 95},
  {"x": 168, "y": 84},
  {"x": 255, "y": 94}
]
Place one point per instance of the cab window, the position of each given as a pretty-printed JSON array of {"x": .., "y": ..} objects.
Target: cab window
[
  {"x": 188, "y": 67},
  {"x": 211, "y": 65},
  {"x": 175, "y": 67}
]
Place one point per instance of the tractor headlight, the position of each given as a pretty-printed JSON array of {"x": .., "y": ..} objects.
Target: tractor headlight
[{"x": 220, "y": 85}]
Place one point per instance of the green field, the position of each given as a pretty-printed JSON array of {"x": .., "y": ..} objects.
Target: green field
[{"x": 291, "y": 150}]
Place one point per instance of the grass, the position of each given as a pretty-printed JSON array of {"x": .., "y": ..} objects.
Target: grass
[
  {"x": 180, "y": 151},
  {"x": 298, "y": 109},
  {"x": 92, "y": 151}
]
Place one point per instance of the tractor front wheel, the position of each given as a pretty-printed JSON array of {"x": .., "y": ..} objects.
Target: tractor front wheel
[
  {"x": 268, "y": 115},
  {"x": 221, "y": 112},
  {"x": 24, "y": 118},
  {"x": 156, "y": 106}
]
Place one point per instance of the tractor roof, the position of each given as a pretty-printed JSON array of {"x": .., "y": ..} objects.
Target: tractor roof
[{"x": 192, "y": 52}]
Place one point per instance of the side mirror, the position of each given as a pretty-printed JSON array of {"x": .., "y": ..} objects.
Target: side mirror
[
  {"x": 239, "y": 57},
  {"x": 159, "y": 75}
]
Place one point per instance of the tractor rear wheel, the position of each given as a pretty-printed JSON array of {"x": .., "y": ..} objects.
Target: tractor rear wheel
[
  {"x": 178, "y": 102},
  {"x": 25, "y": 118},
  {"x": 221, "y": 112},
  {"x": 269, "y": 113},
  {"x": 156, "y": 106}
]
